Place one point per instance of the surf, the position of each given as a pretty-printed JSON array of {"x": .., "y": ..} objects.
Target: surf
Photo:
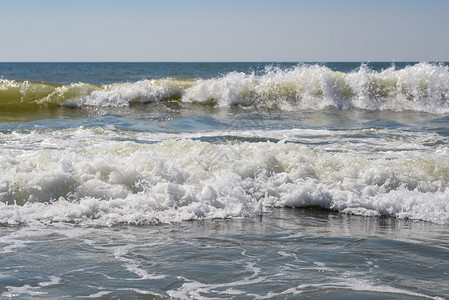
[
  {"x": 423, "y": 87},
  {"x": 104, "y": 177}
]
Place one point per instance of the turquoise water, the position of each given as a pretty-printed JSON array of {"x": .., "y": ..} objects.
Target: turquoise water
[{"x": 224, "y": 180}]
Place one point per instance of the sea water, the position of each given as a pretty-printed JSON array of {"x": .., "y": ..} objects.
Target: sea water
[{"x": 224, "y": 180}]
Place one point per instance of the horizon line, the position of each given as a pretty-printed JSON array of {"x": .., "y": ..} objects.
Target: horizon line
[{"x": 237, "y": 61}]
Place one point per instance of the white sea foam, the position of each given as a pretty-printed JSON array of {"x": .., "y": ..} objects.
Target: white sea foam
[
  {"x": 17, "y": 291},
  {"x": 103, "y": 177},
  {"x": 356, "y": 284},
  {"x": 132, "y": 265}
]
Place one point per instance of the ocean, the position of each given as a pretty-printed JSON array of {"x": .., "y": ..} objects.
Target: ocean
[{"x": 224, "y": 180}]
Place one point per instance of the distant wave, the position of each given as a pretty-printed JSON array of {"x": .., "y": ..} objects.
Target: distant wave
[
  {"x": 422, "y": 87},
  {"x": 22, "y": 93}
]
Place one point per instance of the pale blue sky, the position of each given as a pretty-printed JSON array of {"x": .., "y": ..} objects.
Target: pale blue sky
[{"x": 231, "y": 30}]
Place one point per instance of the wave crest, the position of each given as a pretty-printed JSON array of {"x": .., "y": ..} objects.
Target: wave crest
[{"x": 422, "y": 87}]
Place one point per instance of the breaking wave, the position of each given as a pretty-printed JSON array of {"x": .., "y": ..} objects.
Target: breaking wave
[
  {"x": 103, "y": 180},
  {"x": 422, "y": 87}
]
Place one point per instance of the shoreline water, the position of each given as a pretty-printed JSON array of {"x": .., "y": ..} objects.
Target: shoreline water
[{"x": 287, "y": 253}]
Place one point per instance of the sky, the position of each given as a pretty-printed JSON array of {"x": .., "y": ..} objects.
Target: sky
[{"x": 228, "y": 30}]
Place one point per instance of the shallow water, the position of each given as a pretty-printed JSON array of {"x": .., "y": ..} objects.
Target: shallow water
[{"x": 286, "y": 254}]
